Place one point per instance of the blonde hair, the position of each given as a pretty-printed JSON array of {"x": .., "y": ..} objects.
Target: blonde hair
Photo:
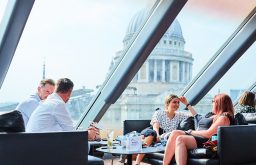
[
  {"x": 169, "y": 98},
  {"x": 247, "y": 98}
]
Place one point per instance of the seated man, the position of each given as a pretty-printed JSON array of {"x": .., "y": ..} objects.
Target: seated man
[
  {"x": 52, "y": 115},
  {"x": 26, "y": 107}
]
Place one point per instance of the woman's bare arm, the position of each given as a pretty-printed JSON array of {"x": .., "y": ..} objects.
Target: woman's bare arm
[
  {"x": 191, "y": 110},
  {"x": 186, "y": 103},
  {"x": 156, "y": 127}
]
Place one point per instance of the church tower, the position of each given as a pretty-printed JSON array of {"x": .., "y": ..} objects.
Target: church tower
[{"x": 43, "y": 69}]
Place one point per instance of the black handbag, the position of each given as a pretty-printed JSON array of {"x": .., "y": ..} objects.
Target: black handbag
[
  {"x": 187, "y": 124},
  {"x": 240, "y": 119},
  {"x": 12, "y": 122}
]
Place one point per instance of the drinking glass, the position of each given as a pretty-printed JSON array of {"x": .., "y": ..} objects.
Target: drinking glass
[{"x": 110, "y": 137}]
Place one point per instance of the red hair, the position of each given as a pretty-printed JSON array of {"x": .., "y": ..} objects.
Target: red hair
[{"x": 223, "y": 104}]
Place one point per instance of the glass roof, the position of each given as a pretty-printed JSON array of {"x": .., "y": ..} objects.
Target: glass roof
[
  {"x": 3, "y": 4},
  {"x": 208, "y": 24},
  {"x": 76, "y": 40},
  {"x": 204, "y": 26},
  {"x": 86, "y": 39},
  {"x": 3, "y": 17}
]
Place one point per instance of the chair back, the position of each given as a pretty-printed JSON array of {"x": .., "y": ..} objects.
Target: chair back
[
  {"x": 54, "y": 148},
  {"x": 136, "y": 125},
  {"x": 236, "y": 144}
]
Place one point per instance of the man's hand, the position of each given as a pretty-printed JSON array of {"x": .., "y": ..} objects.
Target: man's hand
[{"x": 93, "y": 133}]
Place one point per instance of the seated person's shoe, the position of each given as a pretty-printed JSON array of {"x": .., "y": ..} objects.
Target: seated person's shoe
[{"x": 122, "y": 158}]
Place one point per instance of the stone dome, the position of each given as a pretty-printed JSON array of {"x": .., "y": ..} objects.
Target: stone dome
[
  {"x": 167, "y": 64},
  {"x": 174, "y": 31}
]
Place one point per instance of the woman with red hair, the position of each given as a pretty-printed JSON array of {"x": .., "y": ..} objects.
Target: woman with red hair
[{"x": 181, "y": 141}]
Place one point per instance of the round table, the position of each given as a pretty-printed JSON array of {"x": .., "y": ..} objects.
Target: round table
[{"x": 121, "y": 150}]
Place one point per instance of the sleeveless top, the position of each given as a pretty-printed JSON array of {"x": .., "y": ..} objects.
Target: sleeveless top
[{"x": 205, "y": 123}]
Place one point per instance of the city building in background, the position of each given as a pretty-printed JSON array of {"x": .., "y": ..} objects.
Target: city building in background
[{"x": 167, "y": 70}]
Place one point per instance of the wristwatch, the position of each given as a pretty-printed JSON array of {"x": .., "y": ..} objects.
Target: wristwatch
[
  {"x": 187, "y": 105},
  {"x": 188, "y": 132}
]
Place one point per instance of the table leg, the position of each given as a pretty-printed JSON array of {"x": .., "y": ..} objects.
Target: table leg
[{"x": 129, "y": 159}]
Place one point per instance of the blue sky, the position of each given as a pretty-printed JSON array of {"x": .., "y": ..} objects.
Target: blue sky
[{"x": 78, "y": 40}]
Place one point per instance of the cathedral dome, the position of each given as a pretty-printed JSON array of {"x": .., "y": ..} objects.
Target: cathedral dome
[
  {"x": 174, "y": 31},
  {"x": 167, "y": 64}
]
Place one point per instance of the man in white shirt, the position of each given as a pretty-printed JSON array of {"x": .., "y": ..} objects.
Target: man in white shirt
[
  {"x": 45, "y": 88},
  {"x": 52, "y": 115}
]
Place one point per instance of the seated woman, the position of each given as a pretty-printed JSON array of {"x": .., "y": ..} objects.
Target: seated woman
[
  {"x": 246, "y": 106},
  {"x": 180, "y": 141},
  {"x": 167, "y": 119},
  {"x": 246, "y": 103}
]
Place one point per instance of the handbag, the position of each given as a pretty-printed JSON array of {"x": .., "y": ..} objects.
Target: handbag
[
  {"x": 187, "y": 124},
  {"x": 12, "y": 122},
  {"x": 240, "y": 119},
  {"x": 212, "y": 145}
]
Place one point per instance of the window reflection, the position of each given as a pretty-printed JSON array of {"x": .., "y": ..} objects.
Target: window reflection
[
  {"x": 77, "y": 40},
  {"x": 3, "y": 4},
  {"x": 83, "y": 44},
  {"x": 235, "y": 81},
  {"x": 185, "y": 48}
]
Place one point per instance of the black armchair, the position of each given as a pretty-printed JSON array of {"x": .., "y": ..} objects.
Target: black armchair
[{"x": 50, "y": 148}]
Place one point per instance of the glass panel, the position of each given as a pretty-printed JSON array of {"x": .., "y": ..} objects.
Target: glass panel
[
  {"x": 3, "y": 22},
  {"x": 3, "y": 4},
  {"x": 234, "y": 82},
  {"x": 74, "y": 39},
  {"x": 194, "y": 37},
  {"x": 206, "y": 25}
]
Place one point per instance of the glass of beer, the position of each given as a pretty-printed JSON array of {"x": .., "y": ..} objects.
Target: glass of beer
[{"x": 110, "y": 137}]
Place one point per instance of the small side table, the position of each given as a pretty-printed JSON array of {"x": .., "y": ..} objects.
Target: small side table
[
  {"x": 96, "y": 144},
  {"x": 120, "y": 150}
]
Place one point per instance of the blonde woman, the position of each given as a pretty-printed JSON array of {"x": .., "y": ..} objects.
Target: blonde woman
[
  {"x": 246, "y": 103},
  {"x": 167, "y": 119}
]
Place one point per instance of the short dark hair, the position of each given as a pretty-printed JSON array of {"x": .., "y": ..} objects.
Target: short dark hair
[
  {"x": 64, "y": 85},
  {"x": 47, "y": 81}
]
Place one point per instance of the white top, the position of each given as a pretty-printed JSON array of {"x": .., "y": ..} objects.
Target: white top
[
  {"x": 50, "y": 116},
  {"x": 28, "y": 106},
  {"x": 165, "y": 122}
]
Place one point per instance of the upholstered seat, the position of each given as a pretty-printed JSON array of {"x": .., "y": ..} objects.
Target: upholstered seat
[
  {"x": 54, "y": 148},
  {"x": 236, "y": 146}
]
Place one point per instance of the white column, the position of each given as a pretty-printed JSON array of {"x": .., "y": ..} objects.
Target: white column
[
  {"x": 171, "y": 71},
  {"x": 155, "y": 70},
  {"x": 147, "y": 71},
  {"x": 163, "y": 70},
  {"x": 190, "y": 71},
  {"x": 138, "y": 75},
  {"x": 184, "y": 73}
]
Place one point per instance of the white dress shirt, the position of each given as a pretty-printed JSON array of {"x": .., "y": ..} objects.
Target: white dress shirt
[
  {"x": 28, "y": 106},
  {"x": 50, "y": 116}
]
